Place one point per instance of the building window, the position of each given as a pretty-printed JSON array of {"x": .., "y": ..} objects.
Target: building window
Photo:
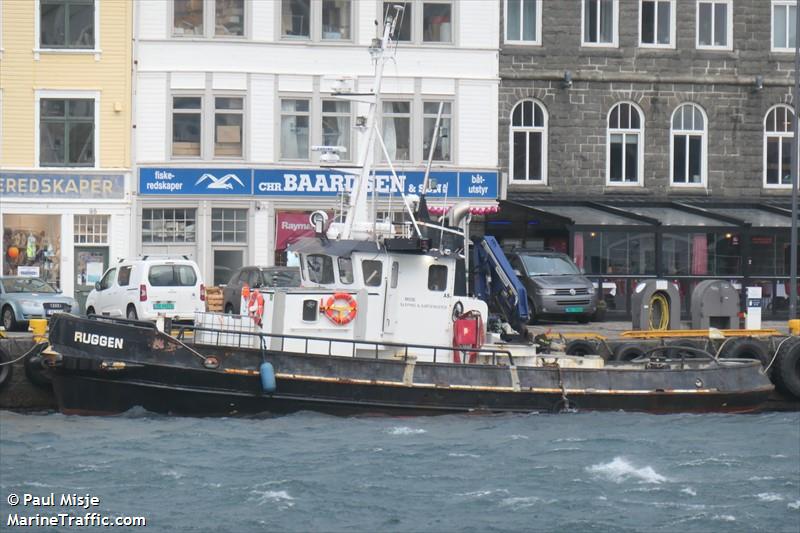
[
  {"x": 715, "y": 24},
  {"x": 689, "y": 133},
  {"x": 423, "y": 21},
  {"x": 397, "y": 129},
  {"x": 528, "y": 162},
  {"x": 784, "y": 25},
  {"x": 336, "y": 126},
  {"x": 430, "y": 111},
  {"x": 229, "y": 226},
  {"x": 295, "y": 115},
  {"x": 67, "y": 24},
  {"x": 328, "y": 20},
  {"x": 229, "y": 18},
  {"x": 600, "y": 22},
  {"x": 188, "y": 17},
  {"x": 228, "y": 126},
  {"x": 625, "y": 163},
  {"x": 187, "y": 119},
  {"x": 657, "y": 23},
  {"x": 168, "y": 225},
  {"x": 523, "y": 21},
  {"x": 778, "y": 136},
  {"x": 66, "y": 132},
  {"x": 90, "y": 229}
]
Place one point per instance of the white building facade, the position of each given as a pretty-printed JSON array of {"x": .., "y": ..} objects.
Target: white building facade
[{"x": 230, "y": 96}]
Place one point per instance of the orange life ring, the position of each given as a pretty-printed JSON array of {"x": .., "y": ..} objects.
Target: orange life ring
[
  {"x": 255, "y": 306},
  {"x": 340, "y": 314}
]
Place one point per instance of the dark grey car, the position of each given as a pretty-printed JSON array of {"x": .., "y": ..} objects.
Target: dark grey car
[
  {"x": 256, "y": 277},
  {"x": 555, "y": 286}
]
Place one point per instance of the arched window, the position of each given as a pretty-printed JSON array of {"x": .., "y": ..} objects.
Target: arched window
[
  {"x": 528, "y": 142},
  {"x": 625, "y": 145},
  {"x": 688, "y": 145},
  {"x": 778, "y": 135}
]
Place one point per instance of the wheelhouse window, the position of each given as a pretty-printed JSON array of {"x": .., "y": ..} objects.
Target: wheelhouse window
[
  {"x": 168, "y": 225},
  {"x": 188, "y": 17},
  {"x": 784, "y": 25},
  {"x": 295, "y": 115},
  {"x": 600, "y": 22},
  {"x": 345, "y": 270},
  {"x": 373, "y": 272},
  {"x": 437, "y": 278},
  {"x": 625, "y": 145},
  {"x": 689, "y": 133},
  {"x": 336, "y": 130},
  {"x": 430, "y": 111},
  {"x": 397, "y": 129},
  {"x": 66, "y": 132},
  {"x": 523, "y": 21},
  {"x": 67, "y": 24},
  {"x": 778, "y": 136},
  {"x": 528, "y": 162},
  {"x": 187, "y": 119},
  {"x": 657, "y": 23},
  {"x": 320, "y": 268},
  {"x": 228, "y": 126},
  {"x": 715, "y": 24}
]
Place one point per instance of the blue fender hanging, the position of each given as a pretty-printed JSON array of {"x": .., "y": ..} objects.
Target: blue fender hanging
[{"x": 267, "y": 377}]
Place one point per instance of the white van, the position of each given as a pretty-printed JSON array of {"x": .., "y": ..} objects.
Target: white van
[{"x": 148, "y": 287}]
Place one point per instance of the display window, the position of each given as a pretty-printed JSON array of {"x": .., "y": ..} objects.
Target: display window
[{"x": 32, "y": 246}]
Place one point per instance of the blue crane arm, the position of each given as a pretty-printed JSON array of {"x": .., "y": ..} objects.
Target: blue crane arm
[{"x": 496, "y": 281}]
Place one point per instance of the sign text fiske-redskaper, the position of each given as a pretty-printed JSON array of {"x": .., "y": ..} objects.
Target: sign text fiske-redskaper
[{"x": 98, "y": 340}]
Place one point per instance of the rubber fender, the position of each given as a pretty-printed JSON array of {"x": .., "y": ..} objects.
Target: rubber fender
[
  {"x": 677, "y": 353},
  {"x": 581, "y": 347},
  {"x": 267, "y": 377},
  {"x": 36, "y": 372},
  {"x": 745, "y": 348},
  {"x": 787, "y": 367},
  {"x": 6, "y": 369},
  {"x": 628, "y": 351}
]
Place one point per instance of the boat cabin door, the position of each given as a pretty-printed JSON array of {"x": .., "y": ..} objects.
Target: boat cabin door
[{"x": 391, "y": 304}]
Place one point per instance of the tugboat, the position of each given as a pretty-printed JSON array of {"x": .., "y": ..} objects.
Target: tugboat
[{"x": 385, "y": 322}]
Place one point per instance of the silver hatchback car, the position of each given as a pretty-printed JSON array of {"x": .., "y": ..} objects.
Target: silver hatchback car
[{"x": 556, "y": 287}]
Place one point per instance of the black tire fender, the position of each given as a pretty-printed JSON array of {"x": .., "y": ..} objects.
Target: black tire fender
[
  {"x": 628, "y": 351},
  {"x": 6, "y": 369},
  {"x": 36, "y": 372},
  {"x": 581, "y": 347},
  {"x": 745, "y": 348},
  {"x": 786, "y": 372}
]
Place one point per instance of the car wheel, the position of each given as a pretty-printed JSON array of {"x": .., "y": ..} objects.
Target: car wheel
[
  {"x": 131, "y": 313},
  {"x": 90, "y": 311},
  {"x": 9, "y": 319},
  {"x": 531, "y": 312},
  {"x": 229, "y": 309}
]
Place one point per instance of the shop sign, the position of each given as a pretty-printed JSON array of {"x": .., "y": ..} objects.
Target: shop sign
[
  {"x": 324, "y": 182},
  {"x": 290, "y": 226},
  {"x": 86, "y": 186},
  {"x": 28, "y": 271},
  {"x": 179, "y": 181}
]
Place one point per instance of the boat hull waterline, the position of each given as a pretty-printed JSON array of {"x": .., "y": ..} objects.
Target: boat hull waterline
[{"x": 160, "y": 374}]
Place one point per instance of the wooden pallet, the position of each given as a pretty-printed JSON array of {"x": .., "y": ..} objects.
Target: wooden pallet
[{"x": 214, "y": 299}]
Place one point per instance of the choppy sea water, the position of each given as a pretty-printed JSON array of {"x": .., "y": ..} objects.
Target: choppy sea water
[{"x": 311, "y": 472}]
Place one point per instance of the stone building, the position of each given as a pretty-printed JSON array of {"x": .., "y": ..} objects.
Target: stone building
[{"x": 650, "y": 138}]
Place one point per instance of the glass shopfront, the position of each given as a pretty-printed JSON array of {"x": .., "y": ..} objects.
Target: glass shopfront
[{"x": 32, "y": 246}]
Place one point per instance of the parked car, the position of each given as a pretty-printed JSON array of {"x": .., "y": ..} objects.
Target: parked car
[
  {"x": 22, "y": 299},
  {"x": 555, "y": 286},
  {"x": 257, "y": 277},
  {"x": 148, "y": 287}
]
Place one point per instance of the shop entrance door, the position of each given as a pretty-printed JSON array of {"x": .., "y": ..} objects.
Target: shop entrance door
[{"x": 90, "y": 263}]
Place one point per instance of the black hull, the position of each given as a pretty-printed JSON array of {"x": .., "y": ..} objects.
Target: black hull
[{"x": 160, "y": 374}]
